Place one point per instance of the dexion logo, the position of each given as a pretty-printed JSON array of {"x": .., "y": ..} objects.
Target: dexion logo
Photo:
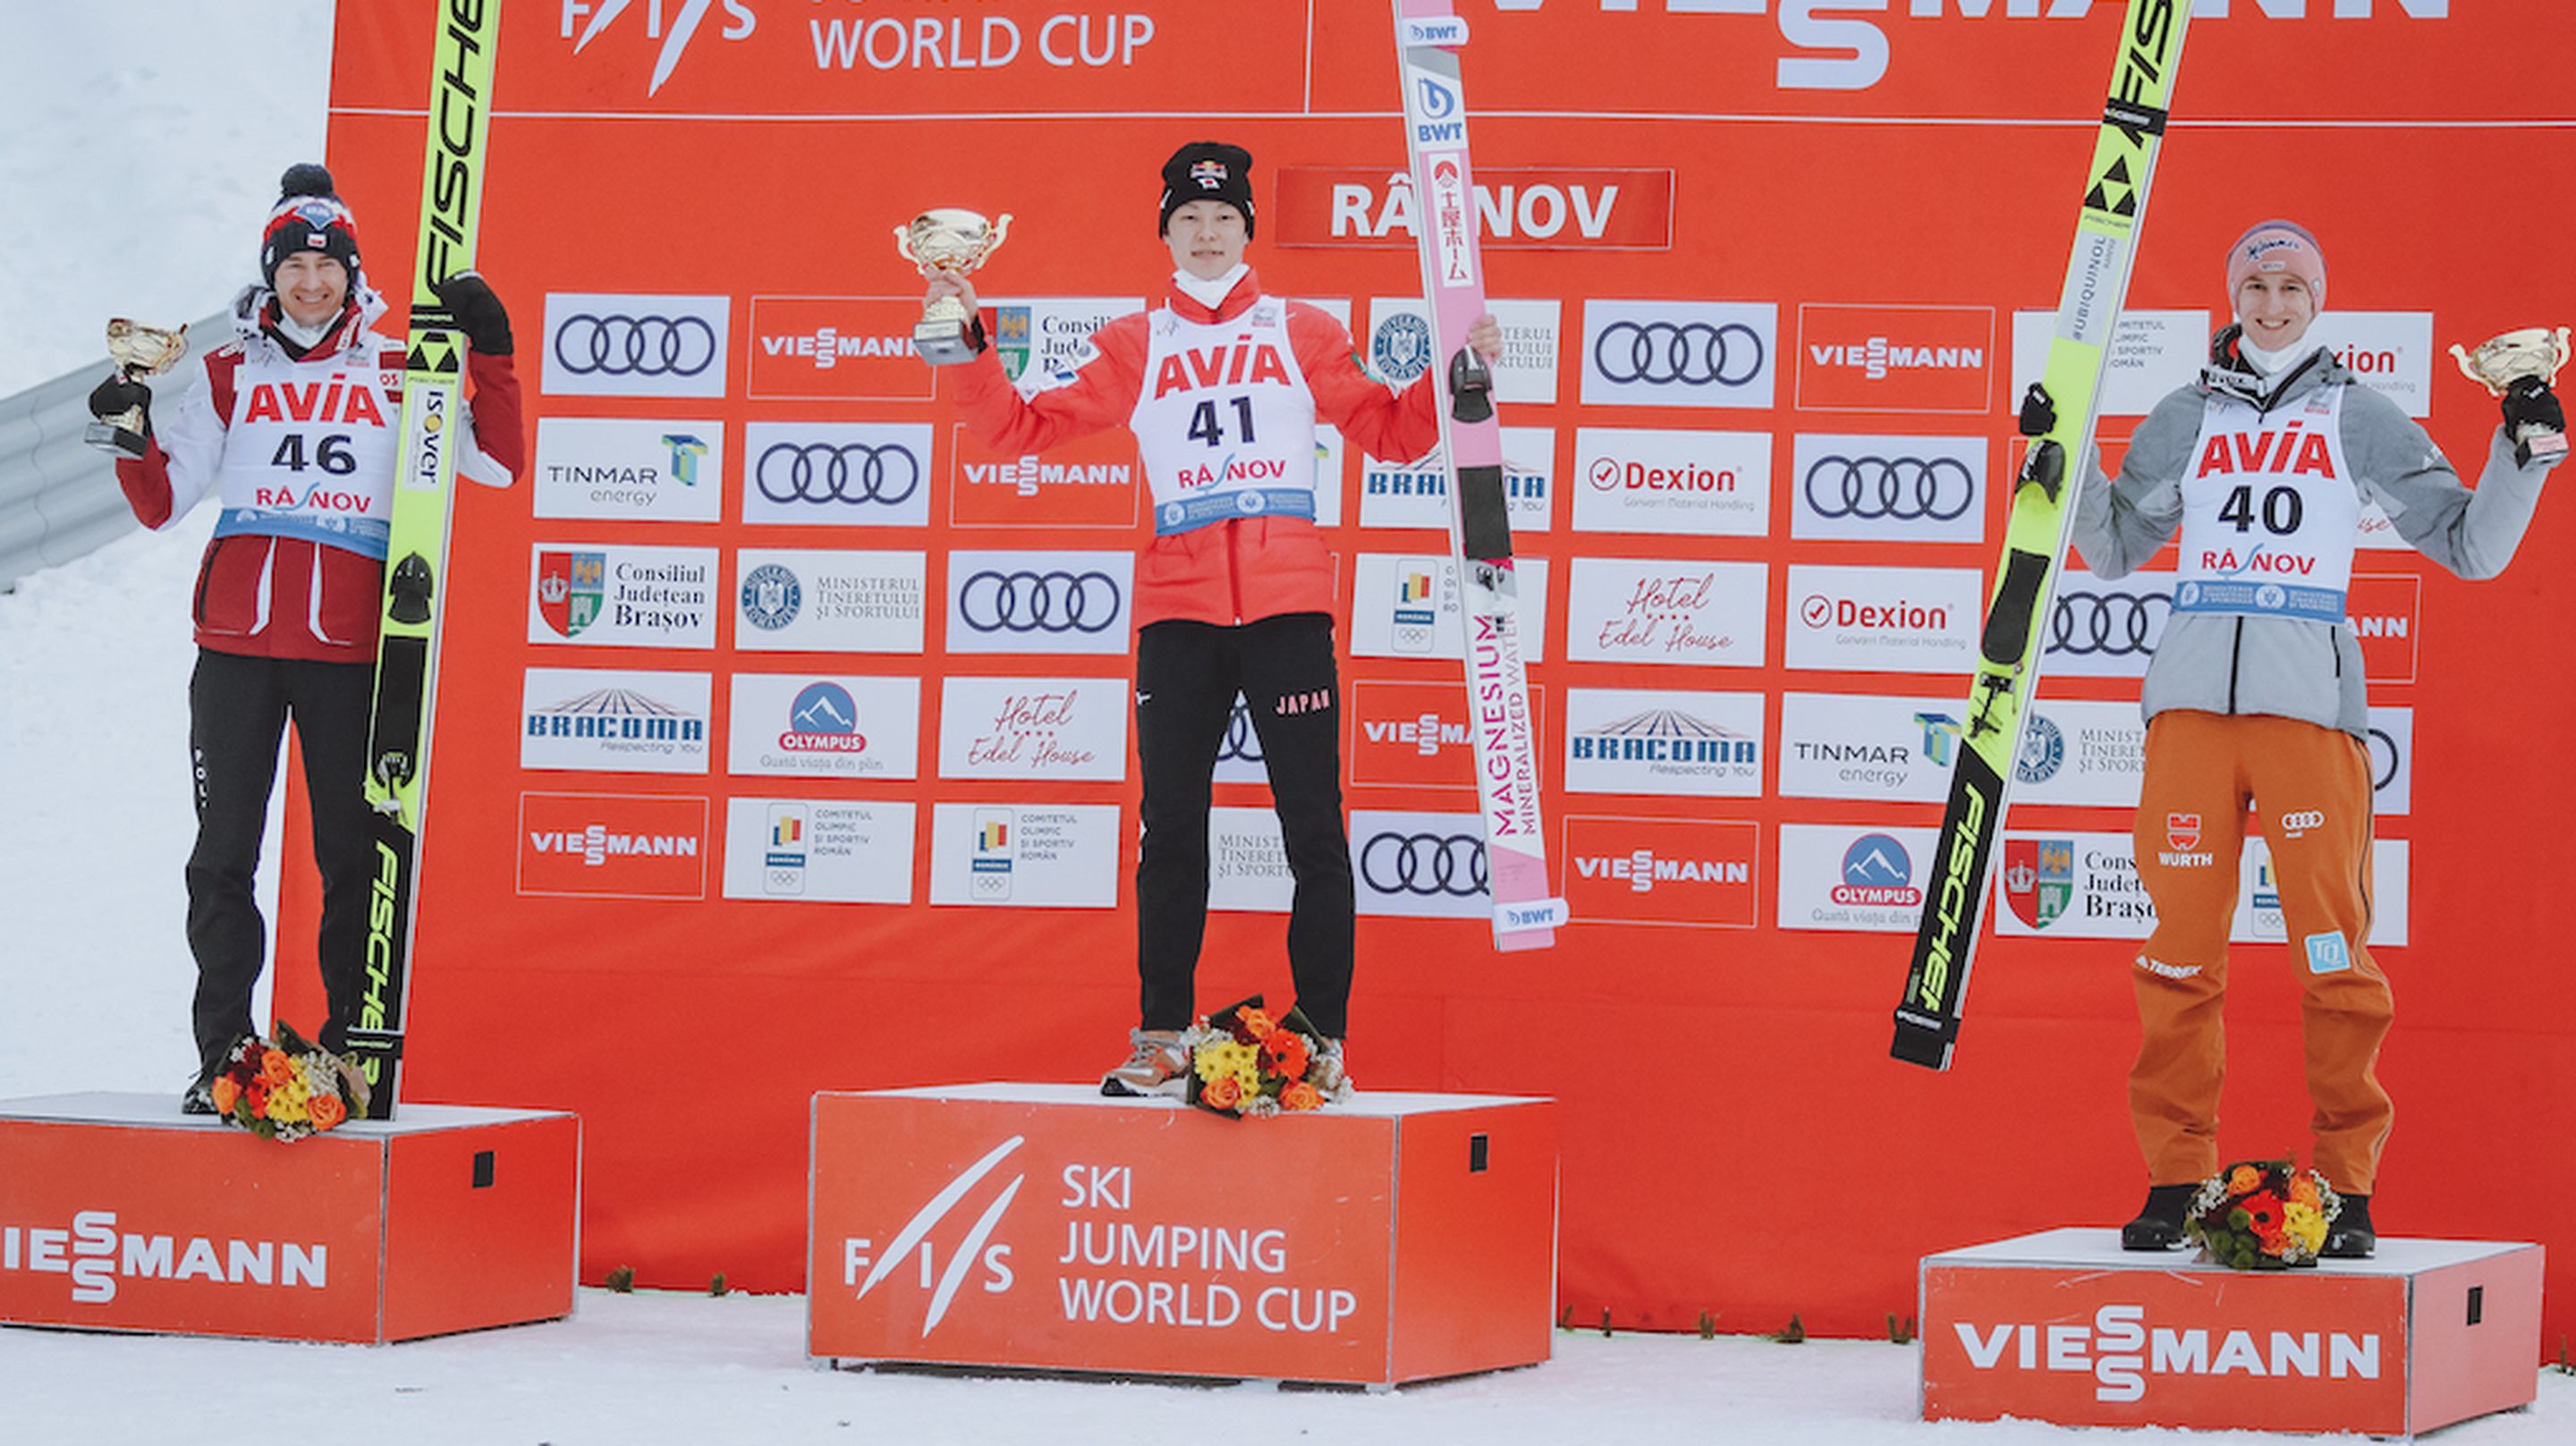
[
  {"x": 95, "y": 1254},
  {"x": 2121, "y": 1351}
]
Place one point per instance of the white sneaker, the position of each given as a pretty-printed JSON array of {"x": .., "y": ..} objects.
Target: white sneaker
[
  {"x": 1159, "y": 1065},
  {"x": 1327, "y": 1071}
]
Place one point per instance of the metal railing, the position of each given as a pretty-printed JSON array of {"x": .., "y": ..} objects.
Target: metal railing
[{"x": 58, "y": 495}]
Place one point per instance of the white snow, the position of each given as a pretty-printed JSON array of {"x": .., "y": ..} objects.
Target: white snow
[{"x": 142, "y": 142}]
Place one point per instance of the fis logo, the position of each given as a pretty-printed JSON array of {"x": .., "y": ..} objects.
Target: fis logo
[
  {"x": 914, "y": 1242},
  {"x": 674, "y": 28}
]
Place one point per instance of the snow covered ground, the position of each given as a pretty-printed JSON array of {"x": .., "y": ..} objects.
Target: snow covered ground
[{"x": 141, "y": 144}]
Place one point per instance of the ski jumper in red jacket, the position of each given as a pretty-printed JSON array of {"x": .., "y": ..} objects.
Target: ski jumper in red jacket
[{"x": 293, "y": 428}]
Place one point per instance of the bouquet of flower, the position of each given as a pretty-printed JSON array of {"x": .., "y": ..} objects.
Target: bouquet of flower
[
  {"x": 287, "y": 1089},
  {"x": 1243, "y": 1062},
  {"x": 2263, "y": 1215}
]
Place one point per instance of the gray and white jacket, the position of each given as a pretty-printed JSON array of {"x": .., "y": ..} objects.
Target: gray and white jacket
[{"x": 2222, "y": 663}]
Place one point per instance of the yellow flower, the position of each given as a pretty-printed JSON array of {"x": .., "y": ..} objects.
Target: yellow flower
[
  {"x": 2304, "y": 1224},
  {"x": 1228, "y": 1058}
]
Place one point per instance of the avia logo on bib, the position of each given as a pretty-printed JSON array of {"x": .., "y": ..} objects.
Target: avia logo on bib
[{"x": 94, "y": 1254}]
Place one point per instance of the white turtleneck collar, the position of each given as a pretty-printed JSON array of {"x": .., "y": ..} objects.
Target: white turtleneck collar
[
  {"x": 1210, "y": 294},
  {"x": 306, "y": 338},
  {"x": 2273, "y": 363}
]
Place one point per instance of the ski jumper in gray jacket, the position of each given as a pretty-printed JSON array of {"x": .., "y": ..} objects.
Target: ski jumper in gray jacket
[{"x": 2254, "y": 699}]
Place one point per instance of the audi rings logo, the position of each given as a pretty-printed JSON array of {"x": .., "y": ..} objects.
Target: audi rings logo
[
  {"x": 2384, "y": 758},
  {"x": 1691, "y": 354},
  {"x": 1901, "y": 489},
  {"x": 1242, "y": 742},
  {"x": 622, "y": 344},
  {"x": 1424, "y": 863},
  {"x": 848, "y": 472},
  {"x": 1057, "y": 601},
  {"x": 2106, "y": 624}
]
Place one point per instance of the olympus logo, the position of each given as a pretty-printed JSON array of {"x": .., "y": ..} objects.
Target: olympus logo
[
  {"x": 1691, "y": 354},
  {"x": 1424, "y": 863},
  {"x": 2120, "y": 1351},
  {"x": 1040, "y": 602},
  {"x": 618, "y": 344},
  {"x": 1902, "y": 489},
  {"x": 2110, "y": 624},
  {"x": 850, "y": 472},
  {"x": 95, "y": 1254}
]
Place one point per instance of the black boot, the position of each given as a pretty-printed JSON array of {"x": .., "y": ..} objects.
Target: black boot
[
  {"x": 2159, "y": 1222},
  {"x": 2350, "y": 1237}
]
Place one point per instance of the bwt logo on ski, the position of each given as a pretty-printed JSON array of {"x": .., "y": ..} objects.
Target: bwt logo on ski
[
  {"x": 1519, "y": 208},
  {"x": 2123, "y": 1353},
  {"x": 94, "y": 1254},
  {"x": 945, "y": 1265},
  {"x": 1895, "y": 358}
]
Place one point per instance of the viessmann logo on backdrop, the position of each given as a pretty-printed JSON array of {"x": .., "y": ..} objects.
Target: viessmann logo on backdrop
[
  {"x": 846, "y": 348},
  {"x": 1895, "y": 358},
  {"x": 612, "y": 846}
]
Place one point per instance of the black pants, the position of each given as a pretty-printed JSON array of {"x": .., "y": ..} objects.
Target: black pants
[
  {"x": 1187, "y": 675},
  {"x": 237, "y": 713}
]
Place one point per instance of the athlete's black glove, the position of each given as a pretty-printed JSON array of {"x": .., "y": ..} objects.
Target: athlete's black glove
[
  {"x": 118, "y": 394},
  {"x": 2038, "y": 412},
  {"x": 479, "y": 314},
  {"x": 2529, "y": 405}
]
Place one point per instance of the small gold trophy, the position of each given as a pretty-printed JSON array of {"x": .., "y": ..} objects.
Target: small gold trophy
[
  {"x": 2533, "y": 351},
  {"x": 138, "y": 351},
  {"x": 948, "y": 239}
]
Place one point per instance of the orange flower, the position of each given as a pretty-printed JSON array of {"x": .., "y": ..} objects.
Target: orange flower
[
  {"x": 256, "y": 1095},
  {"x": 2303, "y": 1191},
  {"x": 1301, "y": 1096},
  {"x": 1254, "y": 1022},
  {"x": 326, "y": 1109},
  {"x": 1285, "y": 1053},
  {"x": 1222, "y": 1093},
  {"x": 275, "y": 1068},
  {"x": 225, "y": 1093},
  {"x": 2244, "y": 1180}
]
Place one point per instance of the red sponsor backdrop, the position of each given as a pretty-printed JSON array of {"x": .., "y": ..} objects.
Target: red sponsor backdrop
[{"x": 1858, "y": 169}]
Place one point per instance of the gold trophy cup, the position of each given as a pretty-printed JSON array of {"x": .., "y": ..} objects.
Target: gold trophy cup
[
  {"x": 138, "y": 351},
  {"x": 2533, "y": 351},
  {"x": 955, "y": 241}
]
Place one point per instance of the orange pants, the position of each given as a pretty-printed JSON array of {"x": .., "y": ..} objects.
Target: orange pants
[{"x": 2312, "y": 787}]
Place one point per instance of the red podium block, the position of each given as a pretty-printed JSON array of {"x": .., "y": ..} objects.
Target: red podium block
[
  {"x": 1398, "y": 1238},
  {"x": 119, "y": 1213},
  {"x": 2065, "y": 1326}
]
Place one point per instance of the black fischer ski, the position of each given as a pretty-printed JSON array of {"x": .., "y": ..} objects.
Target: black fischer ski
[
  {"x": 1428, "y": 37},
  {"x": 2088, "y": 310},
  {"x": 451, "y": 206}
]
